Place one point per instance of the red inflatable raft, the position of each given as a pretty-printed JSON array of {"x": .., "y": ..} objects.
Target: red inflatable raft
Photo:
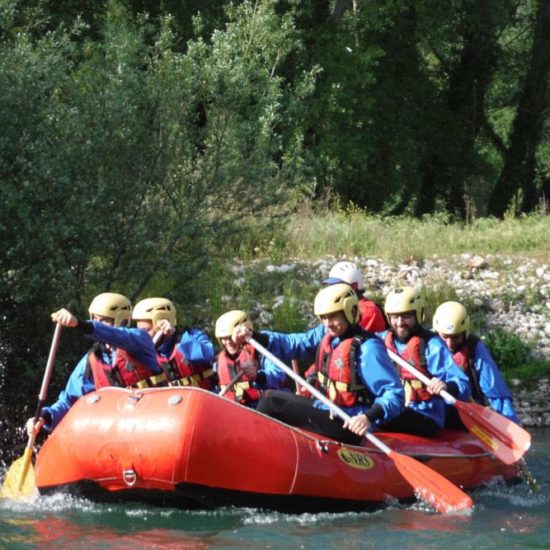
[{"x": 190, "y": 448}]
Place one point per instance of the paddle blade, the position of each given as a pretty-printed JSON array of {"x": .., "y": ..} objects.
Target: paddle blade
[
  {"x": 430, "y": 486},
  {"x": 498, "y": 434},
  {"x": 20, "y": 481}
]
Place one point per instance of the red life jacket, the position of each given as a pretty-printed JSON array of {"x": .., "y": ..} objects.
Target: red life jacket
[
  {"x": 181, "y": 372},
  {"x": 243, "y": 390},
  {"x": 125, "y": 371},
  {"x": 415, "y": 354},
  {"x": 464, "y": 358},
  {"x": 336, "y": 370}
]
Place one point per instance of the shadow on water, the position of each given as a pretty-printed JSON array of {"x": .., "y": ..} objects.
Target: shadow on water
[{"x": 503, "y": 517}]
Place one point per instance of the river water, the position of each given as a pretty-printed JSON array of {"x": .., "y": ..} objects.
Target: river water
[{"x": 503, "y": 517}]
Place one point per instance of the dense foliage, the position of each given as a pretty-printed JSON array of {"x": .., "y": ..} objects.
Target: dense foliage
[
  {"x": 140, "y": 140},
  {"x": 124, "y": 160}
]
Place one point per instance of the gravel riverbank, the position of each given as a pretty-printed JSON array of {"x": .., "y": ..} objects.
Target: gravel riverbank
[{"x": 513, "y": 292}]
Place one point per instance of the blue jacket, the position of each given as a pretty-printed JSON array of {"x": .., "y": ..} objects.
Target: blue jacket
[
  {"x": 440, "y": 364},
  {"x": 193, "y": 343},
  {"x": 491, "y": 382},
  {"x": 135, "y": 341},
  {"x": 374, "y": 369}
]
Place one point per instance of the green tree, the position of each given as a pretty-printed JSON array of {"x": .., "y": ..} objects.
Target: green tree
[
  {"x": 520, "y": 171},
  {"x": 362, "y": 125},
  {"x": 462, "y": 40},
  {"x": 127, "y": 165}
]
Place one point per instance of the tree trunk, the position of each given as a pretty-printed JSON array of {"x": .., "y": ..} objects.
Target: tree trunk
[
  {"x": 519, "y": 167},
  {"x": 425, "y": 203},
  {"x": 451, "y": 152}
]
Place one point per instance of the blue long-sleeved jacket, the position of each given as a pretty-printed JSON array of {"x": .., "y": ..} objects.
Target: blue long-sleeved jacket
[
  {"x": 193, "y": 343},
  {"x": 135, "y": 341},
  {"x": 492, "y": 383},
  {"x": 275, "y": 378},
  {"x": 440, "y": 364},
  {"x": 373, "y": 368}
]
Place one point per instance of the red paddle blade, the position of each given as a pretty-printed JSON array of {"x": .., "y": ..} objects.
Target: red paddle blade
[
  {"x": 430, "y": 486},
  {"x": 498, "y": 434}
]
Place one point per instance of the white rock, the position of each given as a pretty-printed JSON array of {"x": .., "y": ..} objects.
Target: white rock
[
  {"x": 478, "y": 262},
  {"x": 279, "y": 301},
  {"x": 265, "y": 318},
  {"x": 240, "y": 282}
]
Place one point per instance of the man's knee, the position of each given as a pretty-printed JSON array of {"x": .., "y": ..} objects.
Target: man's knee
[
  {"x": 268, "y": 402},
  {"x": 272, "y": 402}
]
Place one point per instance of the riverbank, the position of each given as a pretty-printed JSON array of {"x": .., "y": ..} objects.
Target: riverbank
[
  {"x": 532, "y": 405},
  {"x": 509, "y": 293},
  {"x": 515, "y": 295},
  {"x": 512, "y": 292}
]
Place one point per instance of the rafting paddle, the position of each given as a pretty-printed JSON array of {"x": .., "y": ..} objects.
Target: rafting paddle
[
  {"x": 232, "y": 382},
  {"x": 498, "y": 434},
  {"x": 20, "y": 481},
  {"x": 430, "y": 486}
]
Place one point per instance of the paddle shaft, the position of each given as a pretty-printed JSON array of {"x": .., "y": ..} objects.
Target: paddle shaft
[
  {"x": 48, "y": 371},
  {"x": 423, "y": 378},
  {"x": 316, "y": 393},
  {"x": 157, "y": 338},
  {"x": 41, "y": 400},
  {"x": 232, "y": 382}
]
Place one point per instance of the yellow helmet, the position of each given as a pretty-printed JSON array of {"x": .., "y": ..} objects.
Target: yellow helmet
[
  {"x": 404, "y": 299},
  {"x": 451, "y": 318},
  {"x": 226, "y": 323},
  {"x": 338, "y": 297},
  {"x": 112, "y": 305},
  {"x": 155, "y": 309}
]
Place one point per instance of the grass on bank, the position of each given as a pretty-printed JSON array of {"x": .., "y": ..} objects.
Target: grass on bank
[{"x": 311, "y": 233}]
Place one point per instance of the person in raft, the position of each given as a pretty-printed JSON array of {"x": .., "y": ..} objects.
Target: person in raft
[
  {"x": 257, "y": 375},
  {"x": 425, "y": 411},
  {"x": 372, "y": 315},
  {"x": 353, "y": 369},
  {"x": 121, "y": 356},
  {"x": 452, "y": 322},
  {"x": 185, "y": 354}
]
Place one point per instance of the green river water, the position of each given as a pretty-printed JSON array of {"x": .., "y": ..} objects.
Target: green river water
[{"x": 503, "y": 517}]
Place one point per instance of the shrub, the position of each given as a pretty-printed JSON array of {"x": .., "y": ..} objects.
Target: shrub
[
  {"x": 508, "y": 350},
  {"x": 515, "y": 358}
]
